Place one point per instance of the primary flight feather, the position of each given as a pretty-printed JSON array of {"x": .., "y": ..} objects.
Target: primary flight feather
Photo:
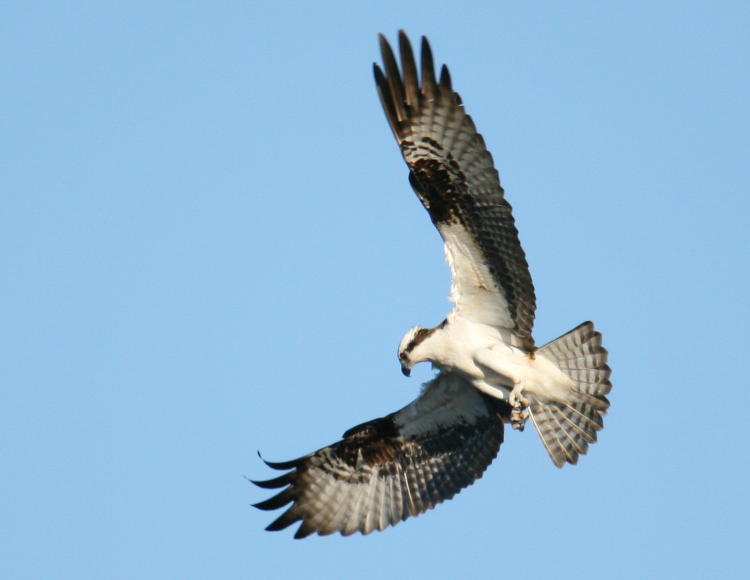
[{"x": 490, "y": 371}]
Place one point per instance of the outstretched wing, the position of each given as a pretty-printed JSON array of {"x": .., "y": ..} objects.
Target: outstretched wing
[
  {"x": 453, "y": 174},
  {"x": 389, "y": 469}
]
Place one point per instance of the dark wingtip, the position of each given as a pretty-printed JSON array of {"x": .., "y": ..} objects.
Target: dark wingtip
[
  {"x": 382, "y": 40},
  {"x": 404, "y": 45},
  {"x": 277, "y": 501},
  {"x": 303, "y": 531},
  {"x": 425, "y": 47},
  {"x": 283, "y": 521},
  {"x": 385, "y": 47},
  {"x": 274, "y": 483},
  {"x": 445, "y": 77},
  {"x": 281, "y": 465},
  {"x": 427, "y": 68}
]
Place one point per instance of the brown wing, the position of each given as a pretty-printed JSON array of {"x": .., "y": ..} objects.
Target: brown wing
[
  {"x": 389, "y": 469},
  {"x": 454, "y": 176}
]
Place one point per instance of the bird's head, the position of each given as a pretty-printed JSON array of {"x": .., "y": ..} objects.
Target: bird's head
[{"x": 407, "y": 350}]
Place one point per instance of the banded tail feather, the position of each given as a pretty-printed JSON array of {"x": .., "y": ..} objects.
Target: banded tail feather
[{"x": 567, "y": 428}]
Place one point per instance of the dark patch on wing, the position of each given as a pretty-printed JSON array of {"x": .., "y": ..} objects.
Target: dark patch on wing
[
  {"x": 374, "y": 442},
  {"x": 452, "y": 172},
  {"x": 437, "y": 189}
]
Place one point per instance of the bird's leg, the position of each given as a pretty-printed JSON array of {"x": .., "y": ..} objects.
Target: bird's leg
[
  {"x": 520, "y": 405},
  {"x": 499, "y": 364}
]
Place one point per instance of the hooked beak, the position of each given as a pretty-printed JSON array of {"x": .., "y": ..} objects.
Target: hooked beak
[{"x": 405, "y": 370}]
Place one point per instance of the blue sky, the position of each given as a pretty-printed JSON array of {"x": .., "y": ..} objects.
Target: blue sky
[{"x": 210, "y": 248}]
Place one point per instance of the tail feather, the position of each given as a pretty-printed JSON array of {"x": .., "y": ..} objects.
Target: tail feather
[
  {"x": 561, "y": 444},
  {"x": 568, "y": 427}
]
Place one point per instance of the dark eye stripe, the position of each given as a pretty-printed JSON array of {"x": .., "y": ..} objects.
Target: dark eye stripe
[{"x": 421, "y": 334}]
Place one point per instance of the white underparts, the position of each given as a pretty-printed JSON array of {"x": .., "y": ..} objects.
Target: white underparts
[{"x": 480, "y": 353}]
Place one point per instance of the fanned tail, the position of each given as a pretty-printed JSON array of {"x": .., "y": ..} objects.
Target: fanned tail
[{"x": 567, "y": 428}]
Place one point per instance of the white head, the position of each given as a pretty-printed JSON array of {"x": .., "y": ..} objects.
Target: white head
[{"x": 408, "y": 353}]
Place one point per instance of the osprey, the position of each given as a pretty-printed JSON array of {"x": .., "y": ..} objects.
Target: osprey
[{"x": 490, "y": 371}]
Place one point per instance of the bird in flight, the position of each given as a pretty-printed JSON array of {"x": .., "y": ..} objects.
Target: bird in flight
[{"x": 490, "y": 371}]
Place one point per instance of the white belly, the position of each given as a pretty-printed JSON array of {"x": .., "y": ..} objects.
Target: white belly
[
  {"x": 534, "y": 374},
  {"x": 482, "y": 354},
  {"x": 485, "y": 356}
]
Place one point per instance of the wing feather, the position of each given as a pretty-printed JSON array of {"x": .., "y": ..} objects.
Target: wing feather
[
  {"x": 455, "y": 178},
  {"x": 392, "y": 468}
]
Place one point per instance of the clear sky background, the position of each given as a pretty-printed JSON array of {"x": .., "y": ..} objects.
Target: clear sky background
[{"x": 209, "y": 248}]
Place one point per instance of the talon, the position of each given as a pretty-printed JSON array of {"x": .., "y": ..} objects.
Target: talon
[
  {"x": 518, "y": 418},
  {"x": 520, "y": 413}
]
